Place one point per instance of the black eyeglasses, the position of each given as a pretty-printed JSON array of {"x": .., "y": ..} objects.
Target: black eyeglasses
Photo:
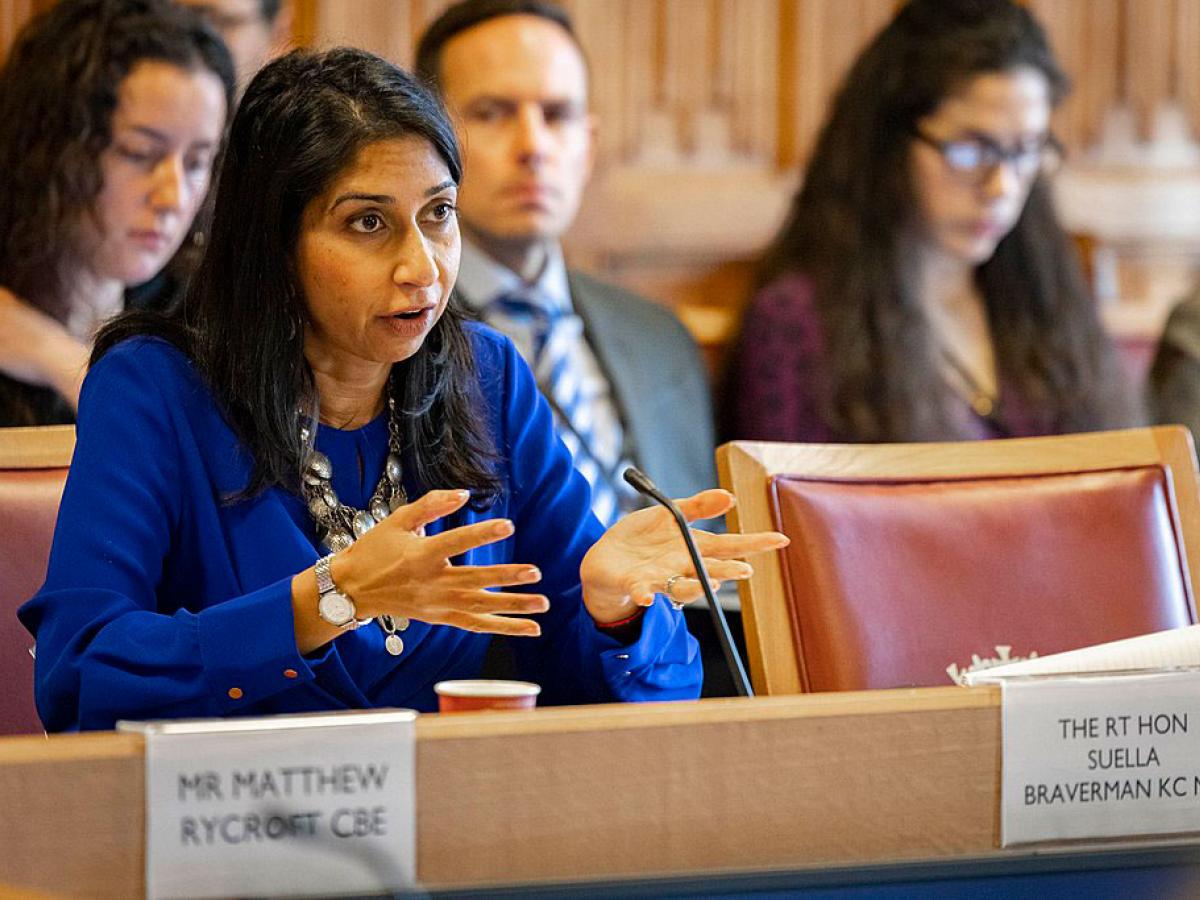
[{"x": 978, "y": 157}]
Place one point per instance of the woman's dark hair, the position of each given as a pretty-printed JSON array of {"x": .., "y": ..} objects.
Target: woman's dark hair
[
  {"x": 846, "y": 232},
  {"x": 58, "y": 91},
  {"x": 303, "y": 120}
]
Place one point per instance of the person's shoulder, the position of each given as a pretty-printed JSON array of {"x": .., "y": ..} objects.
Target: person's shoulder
[
  {"x": 589, "y": 286},
  {"x": 789, "y": 296},
  {"x": 1186, "y": 313},
  {"x": 144, "y": 351},
  {"x": 584, "y": 281},
  {"x": 499, "y": 368},
  {"x": 783, "y": 313},
  {"x": 488, "y": 345},
  {"x": 145, "y": 359},
  {"x": 1180, "y": 337},
  {"x": 626, "y": 311}
]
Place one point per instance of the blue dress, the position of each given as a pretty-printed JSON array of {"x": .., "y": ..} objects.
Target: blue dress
[{"x": 163, "y": 600}]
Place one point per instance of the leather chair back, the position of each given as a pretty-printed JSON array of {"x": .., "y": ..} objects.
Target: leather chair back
[
  {"x": 33, "y": 469},
  {"x": 910, "y": 564},
  {"x": 899, "y": 584}
]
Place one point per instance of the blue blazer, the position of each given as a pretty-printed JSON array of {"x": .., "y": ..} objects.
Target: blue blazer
[{"x": 162, "y": 598}]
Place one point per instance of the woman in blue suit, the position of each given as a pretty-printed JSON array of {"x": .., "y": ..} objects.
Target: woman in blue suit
[{"x": 236, "y": 535}]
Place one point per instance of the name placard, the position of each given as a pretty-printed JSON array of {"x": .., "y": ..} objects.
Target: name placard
[
  {"x": 1102, "y": 756},
  {"x": 288, "y": 805}
]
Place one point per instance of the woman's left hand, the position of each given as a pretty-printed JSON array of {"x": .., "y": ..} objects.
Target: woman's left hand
[
  {"x": 633, "y": 560},
  {"x": 36, "y": 349}
]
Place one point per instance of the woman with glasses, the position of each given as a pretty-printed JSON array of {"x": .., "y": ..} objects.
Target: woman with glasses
[{"x": 922, "y": 288}]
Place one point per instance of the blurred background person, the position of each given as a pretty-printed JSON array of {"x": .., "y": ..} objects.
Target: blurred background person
[
  {"x": 1174, "y": 379},
  {"x": 922, "y": 288},
  {"x": 623, "y": 376},
  {"x": 255, "y": 31},
  {"x": 105, "y": 158}
]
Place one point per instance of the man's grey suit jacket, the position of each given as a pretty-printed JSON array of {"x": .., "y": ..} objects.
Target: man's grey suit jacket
[{"x": 659, "y": 382}]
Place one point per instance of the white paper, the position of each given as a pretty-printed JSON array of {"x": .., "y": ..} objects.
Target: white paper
[
  {"x": 1174, "y": 649},
  {"x": 1100, "y": 757},
  {"x": 295, "y": 805}
]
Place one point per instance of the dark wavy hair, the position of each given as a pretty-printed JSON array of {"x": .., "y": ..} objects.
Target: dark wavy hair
[
  {"x": 302, "y": 121},
  {"x": 845, "y": 232},
  {"x": 58, "y": 91}
]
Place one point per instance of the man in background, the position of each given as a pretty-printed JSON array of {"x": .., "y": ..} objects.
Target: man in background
[
  {"x": 623, "y": 377},
  {"x": 255, "y": 31}
]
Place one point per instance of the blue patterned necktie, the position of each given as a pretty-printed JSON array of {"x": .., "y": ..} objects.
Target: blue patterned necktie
[{"x": 551, "y": 339}]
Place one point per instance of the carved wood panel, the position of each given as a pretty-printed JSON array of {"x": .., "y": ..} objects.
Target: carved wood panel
[{"x": 708, "y": 108}]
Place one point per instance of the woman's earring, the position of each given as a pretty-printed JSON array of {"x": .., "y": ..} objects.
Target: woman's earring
[{"x": 295, "y": 318}]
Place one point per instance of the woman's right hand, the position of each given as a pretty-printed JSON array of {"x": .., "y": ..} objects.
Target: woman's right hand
[
  {"x": 36, "y": 349},
  {"x": 395, "y": 569}
]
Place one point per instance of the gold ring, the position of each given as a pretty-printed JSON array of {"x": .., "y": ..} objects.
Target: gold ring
[{"x": 670, "y": 591}]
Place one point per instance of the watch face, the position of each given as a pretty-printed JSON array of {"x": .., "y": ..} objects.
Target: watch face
[{"x": 336, "y": 609}]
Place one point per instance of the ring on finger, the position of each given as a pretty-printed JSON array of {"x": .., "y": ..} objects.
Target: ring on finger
[{"x": 670, "y": 591}]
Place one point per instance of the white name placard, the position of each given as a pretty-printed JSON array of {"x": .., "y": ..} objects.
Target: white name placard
[
  {"x": 287, "y": 805},
  {"x": 1100, "y": 756}
]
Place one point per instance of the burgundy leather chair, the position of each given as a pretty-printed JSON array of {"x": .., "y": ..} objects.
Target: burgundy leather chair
[
  {"x": 33, "y": 468},
  {"x": 911, "y": 563}
]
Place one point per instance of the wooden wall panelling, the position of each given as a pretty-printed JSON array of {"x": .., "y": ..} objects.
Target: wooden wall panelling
[
  {"x": 304, "y": 22},
  {"x": 13, "y": 16},
  {"x": 711, "y": 134},
  {"x": 1148, "y": 47},
  {"x": 843, "y": 36},
  {"x": 605, "y": 25},
  {"x": 872, "y": 16},
  {"x": 1101, "y": 59},
  {"x": 384, "y": 27},
  {"x": 1187, "y": 59},
  {"x": 685, "y": 76},
  {"x": 1065, "y": 19},
  {"x": 708, "y": 108},
  {"x": 640, "y": 107},
  {"x": 787, "y": 150},
  {"x": 424, "y": 12},
  {"x": 775, "y": 62},
  {"x": 826, "y": 39},
  {"x": 726, "y": 70},
  {"x": 754, "y": 51},
  {"x": 812, "y": 86}
]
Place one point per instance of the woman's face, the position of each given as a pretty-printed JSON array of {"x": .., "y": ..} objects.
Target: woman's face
[
  {"x": 377, "y": 256},
  {"x": 965, "y": 212},
  {"x": 166, "y": 129}
]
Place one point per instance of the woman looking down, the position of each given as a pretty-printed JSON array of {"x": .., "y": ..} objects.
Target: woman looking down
[{"x": 113, "y": 114}]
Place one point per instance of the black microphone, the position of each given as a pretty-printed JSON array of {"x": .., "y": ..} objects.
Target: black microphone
[{"x": 645, "y": 486}]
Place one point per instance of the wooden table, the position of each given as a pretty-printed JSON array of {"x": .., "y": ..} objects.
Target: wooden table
[{"x": 593, "y": 793}]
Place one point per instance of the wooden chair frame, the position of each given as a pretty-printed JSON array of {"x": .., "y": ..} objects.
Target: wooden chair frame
[
  {"x": 746, "y": 469},
  {"x": 39, "y": 447}
]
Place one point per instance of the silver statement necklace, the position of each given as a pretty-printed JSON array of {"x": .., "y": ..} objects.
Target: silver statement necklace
[{"x": 340, "y": 525}]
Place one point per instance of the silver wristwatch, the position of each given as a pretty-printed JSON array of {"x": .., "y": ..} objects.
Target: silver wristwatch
[{"x": 332, "y": 605}]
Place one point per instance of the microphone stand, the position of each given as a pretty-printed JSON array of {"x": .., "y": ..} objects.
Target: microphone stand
[{"x": 643, "y": 485}]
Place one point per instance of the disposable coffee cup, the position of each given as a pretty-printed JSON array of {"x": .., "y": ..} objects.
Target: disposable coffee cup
[{"x": 485, "y": 693}]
